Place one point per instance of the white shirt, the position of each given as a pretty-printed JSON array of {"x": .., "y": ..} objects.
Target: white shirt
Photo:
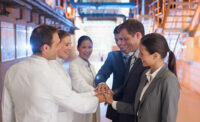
[
  {"x": 82, "y": 75},
  {"x": 33, "y": 92}
]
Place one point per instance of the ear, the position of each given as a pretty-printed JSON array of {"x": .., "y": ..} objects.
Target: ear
[
  {"x": 138, "y": 35},
  {"x": 156, "y": 55},
  {"x": 44, "y": 48}
]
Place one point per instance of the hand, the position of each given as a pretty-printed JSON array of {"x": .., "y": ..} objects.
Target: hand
[
  {"x": 109, "y": 98},
  {"x": 103, "y": 88},
  {"x": 101, "y": 97}
]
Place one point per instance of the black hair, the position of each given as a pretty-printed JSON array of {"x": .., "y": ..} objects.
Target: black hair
[
  {"x": 83, "y": 38},
  {"x": 41, "y": 35},
  {"x": 116, "y": 30},
  {"x": 155, "y": 42}
]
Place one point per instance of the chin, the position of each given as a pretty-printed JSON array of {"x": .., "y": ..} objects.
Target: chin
[{"x": 144, "y": 64}]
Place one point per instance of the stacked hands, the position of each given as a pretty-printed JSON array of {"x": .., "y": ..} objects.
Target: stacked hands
[{"x": 104, "y": 93}]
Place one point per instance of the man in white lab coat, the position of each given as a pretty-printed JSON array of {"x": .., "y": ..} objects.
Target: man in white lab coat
[{"x": 33, "y": 90}]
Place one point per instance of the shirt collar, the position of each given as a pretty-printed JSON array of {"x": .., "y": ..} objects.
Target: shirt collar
[
  {"x": 136, "y": 53},
  {"x": 39, "y": 58},
  {"x": 84, "y": 62},
  {"x": 129, "y": 54},
  {"x": 150, "y": 76},
  {"x": 60, "y": 60}
]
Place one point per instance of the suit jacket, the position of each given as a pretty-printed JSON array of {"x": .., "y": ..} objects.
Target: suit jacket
[
  {"x": 160, "y": 101},
  {"x": 115, "y": 65},
  {"x": 128, "y": 91}
]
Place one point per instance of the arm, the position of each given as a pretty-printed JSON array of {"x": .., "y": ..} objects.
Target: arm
[
  {"x": 70, "y": 100},
  {"x": 105, "y": 71},
  {"x": 125, "y": 108},
  {"x": 119, "y": 106},
  {"x": 170, "y": 97},
  {"x": 78, "y": 83},
  {"x": 7, "y": 106}
]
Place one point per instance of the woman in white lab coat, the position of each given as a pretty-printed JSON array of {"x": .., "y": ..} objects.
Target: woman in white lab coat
[
  {"x": 63, "y": 53},
  {"x": 82, "y": 73}
]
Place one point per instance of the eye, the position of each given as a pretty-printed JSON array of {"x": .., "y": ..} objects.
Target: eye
[{"x": 125, "y": 39}]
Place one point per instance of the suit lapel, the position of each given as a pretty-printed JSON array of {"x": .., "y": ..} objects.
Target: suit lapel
[
  {"x": 135, "y": 65},
  {"x": 140, "y": 88},
  {"x": 154, "y": 82}
]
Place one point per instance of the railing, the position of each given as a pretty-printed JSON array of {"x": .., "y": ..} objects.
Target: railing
[
  {"x": 159, "y": 9},
  {"x": 195, "y": 21}
]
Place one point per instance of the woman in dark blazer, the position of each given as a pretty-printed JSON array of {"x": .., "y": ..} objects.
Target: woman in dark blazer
[{"x": 158, "y": 92}]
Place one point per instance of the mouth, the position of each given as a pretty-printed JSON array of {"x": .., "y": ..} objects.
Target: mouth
[
  {"x": 87, "y": 54},
  {"x": 67, "y": 53}
]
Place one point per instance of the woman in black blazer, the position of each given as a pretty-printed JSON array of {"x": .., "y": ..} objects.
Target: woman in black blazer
[{"x": 158, "y": 92}]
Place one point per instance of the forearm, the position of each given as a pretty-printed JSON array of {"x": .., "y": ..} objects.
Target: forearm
[{"x": 124, "y": 108}]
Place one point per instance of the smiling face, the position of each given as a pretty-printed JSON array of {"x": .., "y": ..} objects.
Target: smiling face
[
  {"x": 129, "y": 43},
  {"x": 85, "y": 49},
  {"x": 147, "y": 58},
  {"x": 65, "y": 45}
]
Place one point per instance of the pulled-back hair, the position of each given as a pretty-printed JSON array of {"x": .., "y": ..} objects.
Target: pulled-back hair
[
  {"x": 83, "y": 38},
  {"x": 155, "y": 42},
  {"x": 62, "y": 34}
]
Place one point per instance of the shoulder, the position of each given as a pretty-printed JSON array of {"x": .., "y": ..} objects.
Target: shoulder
[
  {"x": 75, "y": 62},
  {"x": 170, "y": 79},
  {"x": 114, "y": 54},
  {"x": 20, "y": 65},
  {"x": 18, "y": 68}
]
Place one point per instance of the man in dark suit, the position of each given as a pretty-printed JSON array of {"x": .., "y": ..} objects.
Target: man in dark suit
[
  {"x": 126, "y": 71},
  {"x": 113, "y": 64}
]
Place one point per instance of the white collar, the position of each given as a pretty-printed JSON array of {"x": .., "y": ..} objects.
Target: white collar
[
  {"x": 136, "y": 53},
  {"x": 84, "y": 62},
  {"x": 60, "y": 60},
  {"x": 39, "y": 58},
  {"x": 129, "y": 54},
  {"x": 150, "y": 76}
]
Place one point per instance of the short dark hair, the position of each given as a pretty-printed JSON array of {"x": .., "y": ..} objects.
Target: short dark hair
[
  {"x": 132, "y": 26},
  {"x": 62, "y": 34},
  {"x": 155, "y": 42},
  {"x": 116, "y": 30},
  {"x": 83, "y": 38},
  {"x": 41, "y": 35}
]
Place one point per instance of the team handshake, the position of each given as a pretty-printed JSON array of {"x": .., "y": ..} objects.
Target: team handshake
[{"x": 104, "y": 93}]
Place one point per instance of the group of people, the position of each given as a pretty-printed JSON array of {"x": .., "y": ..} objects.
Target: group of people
[{"x": 145, "y": 87}]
